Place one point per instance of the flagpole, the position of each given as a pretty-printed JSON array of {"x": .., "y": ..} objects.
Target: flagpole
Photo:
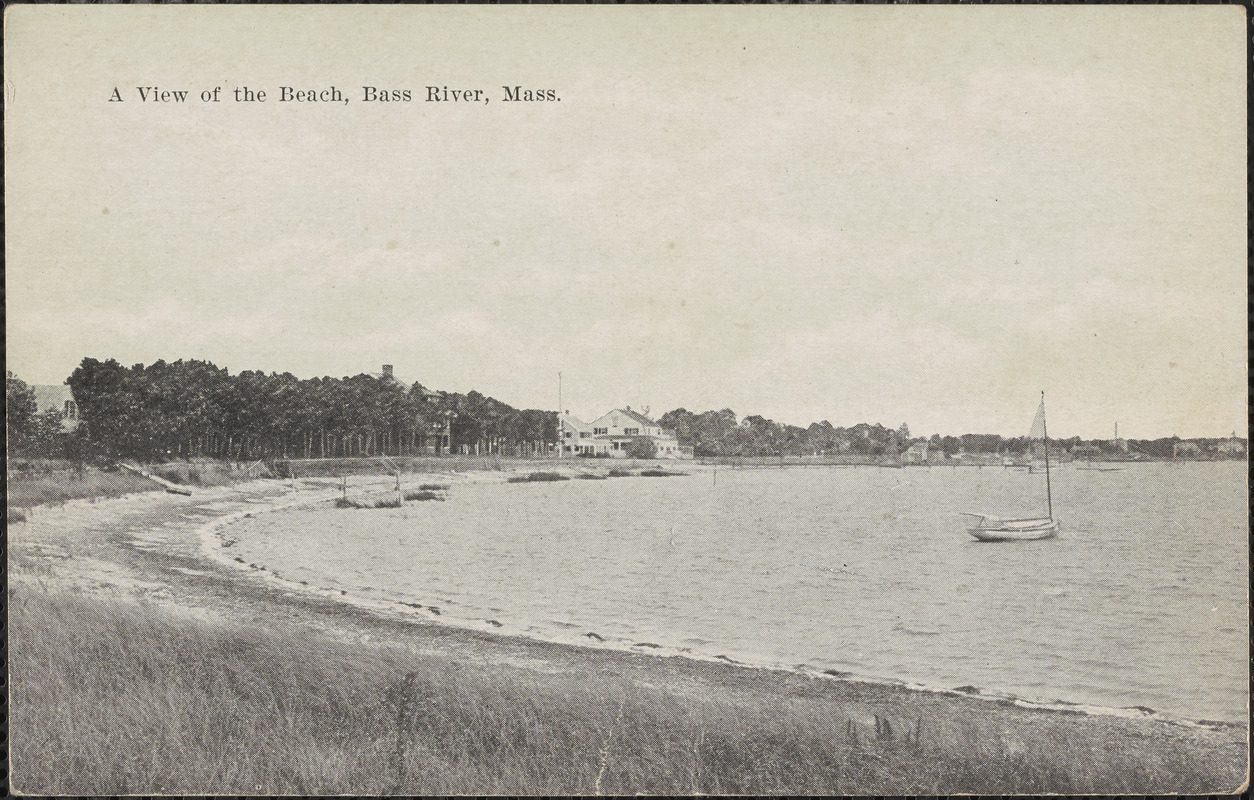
[{"x": 1049, "y": 498}]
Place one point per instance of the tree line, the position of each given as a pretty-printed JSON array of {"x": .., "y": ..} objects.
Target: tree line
[
  {"x": 184, "y": 409},
  {"x": 719, "y": 434},
  {"x": 193, "y": 408}
]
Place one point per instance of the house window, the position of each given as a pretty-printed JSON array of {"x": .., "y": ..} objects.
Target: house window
[
  {"x": 600, "y": 431},
  {"x": 631, "y": 431},
  {"x": 584, "y": 434}
]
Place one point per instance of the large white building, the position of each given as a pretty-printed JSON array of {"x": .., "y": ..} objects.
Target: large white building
[{"x": 618, "y": 434}]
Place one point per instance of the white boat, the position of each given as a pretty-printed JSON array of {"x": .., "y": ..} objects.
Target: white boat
[{"x": 991, "y": 528}]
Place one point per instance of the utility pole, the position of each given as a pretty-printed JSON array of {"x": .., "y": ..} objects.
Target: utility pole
[{"x": 560, "y": 445}]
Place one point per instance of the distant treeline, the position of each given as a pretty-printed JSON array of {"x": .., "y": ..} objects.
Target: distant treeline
[
  {"x": 194, "y": 408},
  {"x": 718, "y": 434}
]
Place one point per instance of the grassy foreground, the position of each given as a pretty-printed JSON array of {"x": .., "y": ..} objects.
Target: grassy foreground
[{"x": 114, "y": 697}]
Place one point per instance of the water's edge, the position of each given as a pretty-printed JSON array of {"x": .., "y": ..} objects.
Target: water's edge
[{"x": 214, "y": 534}]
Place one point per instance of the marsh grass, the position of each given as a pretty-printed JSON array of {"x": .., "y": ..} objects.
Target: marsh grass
[
  {"x": 114, "y": 697},
  {"x": 422, "y": 494},
  {"x": 204, "y": 472},
  {"x": 388, "y": 501},
  {"x": 537, "y": 477},
  {"x": 54, "y": 487}
]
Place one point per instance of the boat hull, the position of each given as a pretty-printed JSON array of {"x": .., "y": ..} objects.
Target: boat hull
[{"x": 987, "y": 528}]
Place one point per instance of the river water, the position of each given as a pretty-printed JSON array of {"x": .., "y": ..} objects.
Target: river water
[{"x": 1140, "y": 602}]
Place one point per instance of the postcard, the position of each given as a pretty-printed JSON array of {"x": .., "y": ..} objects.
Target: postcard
[{"x": 606, "y": 400}]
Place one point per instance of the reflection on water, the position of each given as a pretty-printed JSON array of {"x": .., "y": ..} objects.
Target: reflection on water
[{"x": 1141, "y": 601}]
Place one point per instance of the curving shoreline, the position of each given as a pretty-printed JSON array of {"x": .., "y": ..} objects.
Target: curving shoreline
[
  {"x": 214, "y": 535},
  {"x": 162, "y": 548}
]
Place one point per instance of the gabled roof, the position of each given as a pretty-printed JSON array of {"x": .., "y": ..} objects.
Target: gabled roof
[
  {"x": 575, "y": 422},
  {"x": 641, "y": 418},
  {"x": 384, "y": 376}
]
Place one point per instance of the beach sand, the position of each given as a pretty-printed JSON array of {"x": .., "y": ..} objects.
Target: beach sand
[{"x": 151, "y": 547}]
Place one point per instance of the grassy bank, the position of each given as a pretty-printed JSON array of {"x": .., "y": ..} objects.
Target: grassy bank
[
  {"x": 115, "y": 697},
  {"x": 58, "y": 486},
  {"x": 50, "y": 483}
]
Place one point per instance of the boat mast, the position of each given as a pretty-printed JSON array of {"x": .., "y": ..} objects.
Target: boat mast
[{"x": 1049, "y": 498}]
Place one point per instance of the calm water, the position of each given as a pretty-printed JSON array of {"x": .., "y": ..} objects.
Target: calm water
[{"x": 1140, "y": 602}]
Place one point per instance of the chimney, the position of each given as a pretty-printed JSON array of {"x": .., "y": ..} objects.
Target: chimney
[{"x": 387, "y": 371}]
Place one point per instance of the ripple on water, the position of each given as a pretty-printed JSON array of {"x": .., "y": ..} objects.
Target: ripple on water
[{"x": 871, "y": 573}]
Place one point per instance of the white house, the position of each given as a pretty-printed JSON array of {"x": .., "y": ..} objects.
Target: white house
[
  {"x": 916, "y": 454},
  {"x": 57, "y": 398},
  {"x": 1231, "y": 446},
  {"x": 576, "y": 435},
  {"x": 1186, "y": 449},
  {"x": 614, "y": 433}
]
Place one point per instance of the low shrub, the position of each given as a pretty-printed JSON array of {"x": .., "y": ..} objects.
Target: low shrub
[
  {"x": 422, "y": 494},
  {"x": 535, "y": 477}
]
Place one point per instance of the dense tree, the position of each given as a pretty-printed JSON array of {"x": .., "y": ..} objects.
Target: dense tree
[
  {"x": 193, "y": 408},
  {"x": 641, "y": 447},
  {"x": 30, "y": 432},
  {"x": 19, "y": 411}
]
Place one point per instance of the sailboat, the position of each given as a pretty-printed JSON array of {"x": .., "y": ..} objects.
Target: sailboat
[{"x": 990, "y": 528}]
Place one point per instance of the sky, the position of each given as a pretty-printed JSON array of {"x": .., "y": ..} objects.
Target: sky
[{"x": 859, "y": 214}]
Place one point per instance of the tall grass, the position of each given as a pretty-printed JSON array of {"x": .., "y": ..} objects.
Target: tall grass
[
  {"x": 113, "y": 697},
  {"x": 203, "y": 472},
  {"x": 34, "y": 489}
]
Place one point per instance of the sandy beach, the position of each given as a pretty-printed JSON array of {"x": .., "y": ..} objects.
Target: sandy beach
[{"x": 151, "y": 548}]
